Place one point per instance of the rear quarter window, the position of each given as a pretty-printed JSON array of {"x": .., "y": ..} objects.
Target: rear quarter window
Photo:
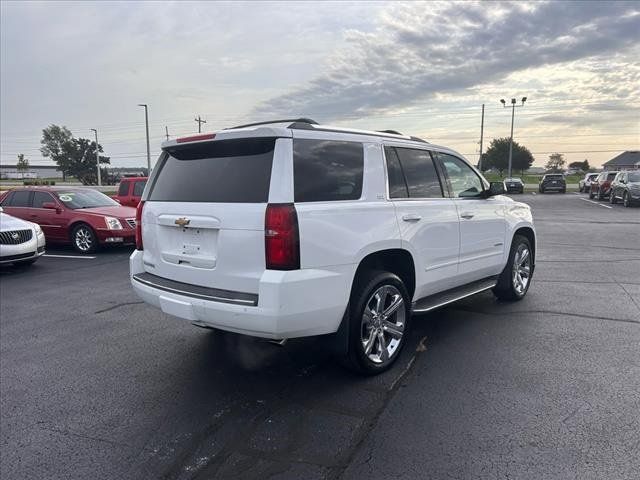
[
  {"x": 327, "y": 170},
  {"x": 226, "y": 171}
]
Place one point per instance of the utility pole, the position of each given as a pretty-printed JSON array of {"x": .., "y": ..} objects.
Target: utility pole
[
  {"x": 166, "y": 132},
  {"x": 97, "y": 157},
  {"x": 200, "y": 122},
  {"x": 146, "y": 122},
  {"x": 481, "y": 136},
  {"x": 513, "y": 111}
]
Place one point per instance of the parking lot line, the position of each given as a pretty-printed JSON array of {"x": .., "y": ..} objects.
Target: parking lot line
[
  {"x": 68, "y": 256},
  {"x": 595, "y": 203}
]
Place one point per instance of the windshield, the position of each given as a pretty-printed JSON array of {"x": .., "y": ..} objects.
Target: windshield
[
  {"x": 634, "y": 177},
  {"x": 611, "y": 176},
  {"x": 76, "y": 199}
]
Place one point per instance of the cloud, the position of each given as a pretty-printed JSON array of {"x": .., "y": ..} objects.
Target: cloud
[{"x": 420, "y": 50}]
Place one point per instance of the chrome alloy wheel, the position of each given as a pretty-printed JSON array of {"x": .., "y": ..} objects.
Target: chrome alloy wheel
[
  {"x": 84, "y": 240},
  {"x": 521, "y": 273},
  {"x": 382, "y": 326}
]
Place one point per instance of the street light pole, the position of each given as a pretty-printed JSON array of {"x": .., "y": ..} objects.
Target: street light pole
[
  {"x": 97, "y": 157},
  {"x": 146, "y": 122},
  {"x": 513, "y": 111}
]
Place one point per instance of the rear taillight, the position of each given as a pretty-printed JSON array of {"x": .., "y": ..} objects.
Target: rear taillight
[
  {"x": 281, "y": 237},
  {"x": 139, "y": 245}
]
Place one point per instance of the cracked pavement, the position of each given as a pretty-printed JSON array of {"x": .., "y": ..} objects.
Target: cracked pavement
[{"x": 95, "y": 384}]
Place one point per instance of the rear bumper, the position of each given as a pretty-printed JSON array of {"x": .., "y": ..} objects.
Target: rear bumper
[
  {"x": 288, "y": 304},
  {"x": 553, "y": 187}
]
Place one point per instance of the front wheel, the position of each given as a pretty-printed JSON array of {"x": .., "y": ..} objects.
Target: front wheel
[
  {"x": 625, "y": 200},
  {"x": 378, "y": 317},
  {"x": 591, "y": 194},
  {"x": 515, "y": 279},
  {"x": 84, "y": 239},
  {"x": 612, "y": 198}
]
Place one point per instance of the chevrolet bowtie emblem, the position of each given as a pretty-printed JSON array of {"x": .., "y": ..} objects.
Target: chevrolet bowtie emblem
[{"x": 183, "y": 222}]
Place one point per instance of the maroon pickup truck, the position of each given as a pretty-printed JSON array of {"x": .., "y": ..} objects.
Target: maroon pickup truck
[{"x": 130, "y": 191}]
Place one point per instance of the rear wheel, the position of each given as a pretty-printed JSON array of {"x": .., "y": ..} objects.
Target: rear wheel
[
  {"x": 84, "y": 238},
  {"x": 599, "y": 195},
  {"x": 612, "y": 198},
  {"x": 625, "y": 200},
  {"x": 378, "y": 317},
  {"x": 515, "y": 279}
]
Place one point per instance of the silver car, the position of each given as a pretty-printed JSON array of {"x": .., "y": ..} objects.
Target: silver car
[{"x": 20, "y": 241}]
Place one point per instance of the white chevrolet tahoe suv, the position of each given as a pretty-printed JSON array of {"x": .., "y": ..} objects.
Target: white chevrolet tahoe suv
[{"x": 289, "y": 229}]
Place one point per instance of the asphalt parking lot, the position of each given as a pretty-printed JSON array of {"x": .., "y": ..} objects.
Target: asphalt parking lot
[{"x": 95, "y": 384}]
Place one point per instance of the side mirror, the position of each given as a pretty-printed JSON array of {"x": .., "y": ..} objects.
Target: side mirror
[
  {"x": 495, "y": 188},
  {"x": 1, "y": 209},
  {"x": 51, "y": 206},
  {"x": 116, "y": 199}
]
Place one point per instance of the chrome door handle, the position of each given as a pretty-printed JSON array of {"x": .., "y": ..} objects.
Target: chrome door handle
[
  {"x": 411, "y": 218},
  {"x": 466, "y": 216}
]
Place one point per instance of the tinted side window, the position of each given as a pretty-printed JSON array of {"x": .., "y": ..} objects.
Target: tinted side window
[
  {"x": 397, "y": 184},
  {"x": 326, "y": 170},
  {"x": 123, "y": 189},
  {"x": 20, "y": 198},
  {"x": 6, "y": 201},
  {"x": 41, "y": 197},
  {"x": 226, "y": 171},
  {"x": 138, "y": 188},
  {"x": 464, "y": 181},
  {"x": 420, "y": 173}
]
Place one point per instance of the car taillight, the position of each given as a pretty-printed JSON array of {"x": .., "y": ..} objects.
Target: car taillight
[
  {"x": 139, "y": 245},
  {"x": 281, "y": 237}
]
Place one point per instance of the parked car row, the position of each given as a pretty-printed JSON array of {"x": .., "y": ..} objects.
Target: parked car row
[
  {"x": 82, "y": 217},
  {"x": 623, "y": 187}
]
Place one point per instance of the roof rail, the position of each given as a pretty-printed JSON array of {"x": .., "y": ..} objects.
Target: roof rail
[
  {"x": 385, "y": 133},
  {"x": 286, "y": 120}
]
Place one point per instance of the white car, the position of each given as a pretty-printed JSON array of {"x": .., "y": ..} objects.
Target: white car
[
  {"x": 584, "y": 185},
  {"x": 290, "y": 229},
  {"x": 20, "y": 241}
]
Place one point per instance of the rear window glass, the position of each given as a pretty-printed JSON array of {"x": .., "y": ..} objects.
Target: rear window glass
[
  {"x": 326, "y": 170},
  {"x": 419, "y": 173},
  {"x": 123, "y": 189},
  {"x": 611, "y": 176},
  {"x": 554, "y": 177},
  {"x": 226, "y": 171},
  {"x": 138, "y": 188},
  {"x": 20, "y": 199}
]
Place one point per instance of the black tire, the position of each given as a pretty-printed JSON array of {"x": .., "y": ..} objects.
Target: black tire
[
  {"x": 564, "y": 190},
  {"x": 591, "y": 194},
  {"x": 612, "y": 198},
  {"x": 365, "y": 287},
  {"x": 541, "y": 190},
  {"x": 507, "y": 288},
  {"x": 625, "y": 200},
  {"x": 599, "y": 196},
  {"x": 84, "y": 239},
  {"x": 581, "y": 189}
]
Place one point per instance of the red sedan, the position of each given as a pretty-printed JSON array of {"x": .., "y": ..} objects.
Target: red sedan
[{"x": 83, "y": 217}]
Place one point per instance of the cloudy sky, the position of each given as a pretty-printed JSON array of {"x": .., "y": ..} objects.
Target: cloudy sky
[{"x": 421, "y": 68}]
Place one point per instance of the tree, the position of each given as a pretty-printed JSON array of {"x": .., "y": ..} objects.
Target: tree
[
  {"x": 22, "y": 165},
  {"x": 497, "y": 156},
  {"x": 74, "y": 156},
  {"x": 583, "y": 166},
  {"x": 556, "y": 162}
]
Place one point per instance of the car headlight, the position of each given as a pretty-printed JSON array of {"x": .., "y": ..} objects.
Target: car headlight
[
  {"x": 113, "y": 223},
  {"x": 38, "y": 230}
]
